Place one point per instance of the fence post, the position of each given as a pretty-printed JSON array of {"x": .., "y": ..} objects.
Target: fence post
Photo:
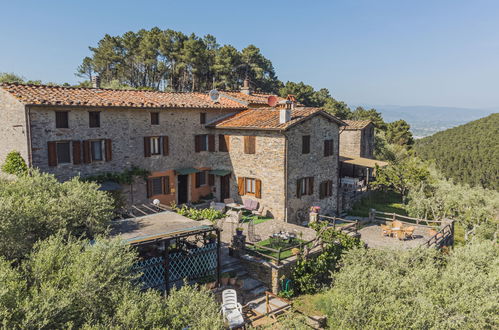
[
  {"x": 393, "y": 217},
  {"x": 372, "y": 214},
  {"x": 279, "y": 257},
  {"x": 219, "y": 258}
]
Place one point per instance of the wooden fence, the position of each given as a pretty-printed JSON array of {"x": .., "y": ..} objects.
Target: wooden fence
[
  {"x": 344, "y": 225},
  {"x": 254, "y": 246},
  {"x": 444, "y": 229}
]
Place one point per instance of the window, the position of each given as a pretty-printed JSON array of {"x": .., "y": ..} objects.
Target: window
[
  {"x": 249, "y": 144},
  {"x": 154, "y": 118},
  {"x": 96, "y": 148},
  {"x": 200, "y": 179},
  {"x": 328, "y": 148},
  {"x": 155, "y": 148},
  {"x": 204, "y": 142},
  {"x": 326, "y": 189},
  {"x": 305, "y": 144},
  {"x": 94, "y": 119},
  {"x": 249, "y": 186},
  {"x": 158, "y": 186},
  {"x": 305, "y": 186},
  {"x": 63, "y": 152},
  {"x": 61, "y": 119},
  {"x": 223, "y": 143},
  {"x": 202, "y": 118}
]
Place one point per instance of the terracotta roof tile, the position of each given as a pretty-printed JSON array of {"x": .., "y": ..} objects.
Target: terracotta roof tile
[
  {"x": 254, "y": 98},
  {"x": 267, "y": 119},
  {"x": 356, "y": 124},
  {"x": 70, "y": 96}
]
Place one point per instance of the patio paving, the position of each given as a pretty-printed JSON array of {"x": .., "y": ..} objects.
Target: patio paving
[{"x": 373, "y": 236}]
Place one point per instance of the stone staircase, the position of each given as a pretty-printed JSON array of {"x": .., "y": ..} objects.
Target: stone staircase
[{"x": 251, "y": 287}]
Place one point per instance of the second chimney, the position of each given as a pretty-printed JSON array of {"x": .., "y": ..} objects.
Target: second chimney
[
  {"x": 96, "y": 82},
  {"x": 246, "y": 87}
]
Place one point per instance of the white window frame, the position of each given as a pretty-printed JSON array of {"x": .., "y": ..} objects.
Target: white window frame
[
  {"x": 250, "y": 186},
  {"x": 155, "y": 144}
]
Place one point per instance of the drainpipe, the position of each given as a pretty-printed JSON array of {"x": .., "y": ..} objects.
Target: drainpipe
[{"x": 27, "y": 115}]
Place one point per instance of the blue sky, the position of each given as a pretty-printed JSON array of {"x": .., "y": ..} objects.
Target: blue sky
[{"x": 440, "y": 52}]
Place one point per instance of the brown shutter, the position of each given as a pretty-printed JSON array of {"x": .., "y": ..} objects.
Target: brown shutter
[
  {"x": 211, "y": 179},
  {"x": 240, "y": 186},
  {"x": 227, "y": 142},
  {"x": 147, "y": 146},
  {"x": 166, "y": 146},
  {"x": 149, "y": 188},
  {"x": 109, "y": 150},
  {"x": 165, "y": 181},
  {"x": 249, "y": 145},
  {"x": 211, "y": 142},
  {"x": 76, "y": 152},
  {"x": 52, "y": 153},
  {"x": 196, "y": 179},
  {"x": 258, "y": 188},
  {"x": 86, "y": 152},
  {"x": 305, "y": 144},
  {"x": 298, "y": 188},
  {"x": 325, "y": 148},
  {"x": 311, "y": 185},
  {"x": 197, "y": 144}
]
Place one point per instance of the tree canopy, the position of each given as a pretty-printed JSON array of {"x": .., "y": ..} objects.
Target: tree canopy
[
  {"x": 173, "y": 61},
  {"x": 468, "y": 153}
]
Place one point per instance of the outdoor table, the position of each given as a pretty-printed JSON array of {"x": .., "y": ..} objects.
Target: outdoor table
[{"x": 235, "y": 206}]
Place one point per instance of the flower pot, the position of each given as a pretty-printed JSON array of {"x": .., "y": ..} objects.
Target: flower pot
[
  {"x": 239, "y": 232},
  {"x": 233, "y": 281},
  {"x": 224, "y": 280}
]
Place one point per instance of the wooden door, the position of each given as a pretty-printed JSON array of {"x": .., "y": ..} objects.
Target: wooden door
[
  {"x": 182, "y": 189},
  {"x": 224, "y": 187}
]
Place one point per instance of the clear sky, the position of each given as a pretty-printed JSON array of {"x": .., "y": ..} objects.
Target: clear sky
[{"x": 420, "y": 52}]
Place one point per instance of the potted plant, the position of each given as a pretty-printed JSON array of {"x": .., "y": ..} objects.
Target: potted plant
[
  {"x": 225, "y": 279},
  {"x": 239, "y": 231},
  {"x": 233, "y": 278}
]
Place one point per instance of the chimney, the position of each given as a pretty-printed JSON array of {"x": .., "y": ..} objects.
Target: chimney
[
  {"x": 95, "y": 81},
  {"x": 246, "y": 87},
  {"x": 285, "y": 113}
]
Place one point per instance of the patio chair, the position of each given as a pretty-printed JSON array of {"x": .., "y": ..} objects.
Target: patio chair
[
  {"x": 229, "y": 200},
  {"x": 409, "y": 232},
  {"x": 259, "y": 212},
  {"x": 231, "y": 309},
  {"x": 387, "y": 231}
]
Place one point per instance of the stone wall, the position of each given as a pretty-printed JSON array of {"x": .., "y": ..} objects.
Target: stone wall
[
  {"x": 357, "y": 142},
  {"x": 13, "y": 131},
  {"x": 312, "y": 164}
]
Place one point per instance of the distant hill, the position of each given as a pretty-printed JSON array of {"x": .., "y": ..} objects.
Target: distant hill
[
  {"x": 427, "y": 120},
  {"x": 468, "y": 153}
]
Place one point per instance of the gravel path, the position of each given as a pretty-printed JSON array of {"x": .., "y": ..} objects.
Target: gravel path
[{"x": 373, "y": 236}]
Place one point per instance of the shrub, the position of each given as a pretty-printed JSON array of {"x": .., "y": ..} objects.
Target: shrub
[
  {"x": 198, "y": 214},
  {"x": 14, "y": 164}
]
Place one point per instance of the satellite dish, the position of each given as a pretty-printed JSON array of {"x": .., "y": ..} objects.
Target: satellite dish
[
  {"x": 272, "y": 100},
  {"x": 214, "y": 95}
]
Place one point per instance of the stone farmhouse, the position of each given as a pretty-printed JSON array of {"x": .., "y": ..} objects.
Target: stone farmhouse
[{"x": 285, "y": 157}]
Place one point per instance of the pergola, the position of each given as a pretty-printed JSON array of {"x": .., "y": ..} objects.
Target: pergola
[{"x": 356, "y": 167}]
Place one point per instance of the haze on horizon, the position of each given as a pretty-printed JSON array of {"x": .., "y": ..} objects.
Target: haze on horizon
[{"x": 365, "y": 52}]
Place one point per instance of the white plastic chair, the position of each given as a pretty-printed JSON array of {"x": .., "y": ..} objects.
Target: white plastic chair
[{"x": 231, "y": 309}]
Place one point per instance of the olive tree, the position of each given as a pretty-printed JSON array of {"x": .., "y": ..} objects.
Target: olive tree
[
  {"x": 35, "y": 206},
  {"x": 421, "y": 289},
  {"x": 73, "y": 283}
]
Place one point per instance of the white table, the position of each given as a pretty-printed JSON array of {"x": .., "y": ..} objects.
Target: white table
[{"x": 235, "y": 206}]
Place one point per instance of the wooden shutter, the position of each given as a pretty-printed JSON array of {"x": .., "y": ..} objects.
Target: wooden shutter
[
  {"x": 109, "y": 150},
  {"x": 211, "y": 142},
  {"x": 227, "y": 142},
  {"x": 86, "y": 152},
  {"x": 197, "y": 143},
  {"x": 298, "y": 188},
  {"x": 149, "y": 188},
  {"x": 311, "y": 185},
  {"x": 147, "y": 146},
  {"x": 249, "y": 145},
  {"x": 52, "y": 153},
  {"x": 76, "y": 152},
  {"x": 240, "y": 186},
  {"x": 165, "y": 181},
  {"x": 166, "y": 146},
  {"x": 258, "y": 188},
  {"x": 211, "y": 179}
]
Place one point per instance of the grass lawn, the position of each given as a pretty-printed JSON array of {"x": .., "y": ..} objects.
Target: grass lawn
[
  {"x": 307, "y": 304},
  {"x": 248, "y": 216},
  {"x": 390, "y": 202},
  {"x": 274, "y": 244}
]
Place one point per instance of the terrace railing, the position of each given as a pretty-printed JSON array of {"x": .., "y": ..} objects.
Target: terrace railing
[{"x": 344, "y": 225}]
